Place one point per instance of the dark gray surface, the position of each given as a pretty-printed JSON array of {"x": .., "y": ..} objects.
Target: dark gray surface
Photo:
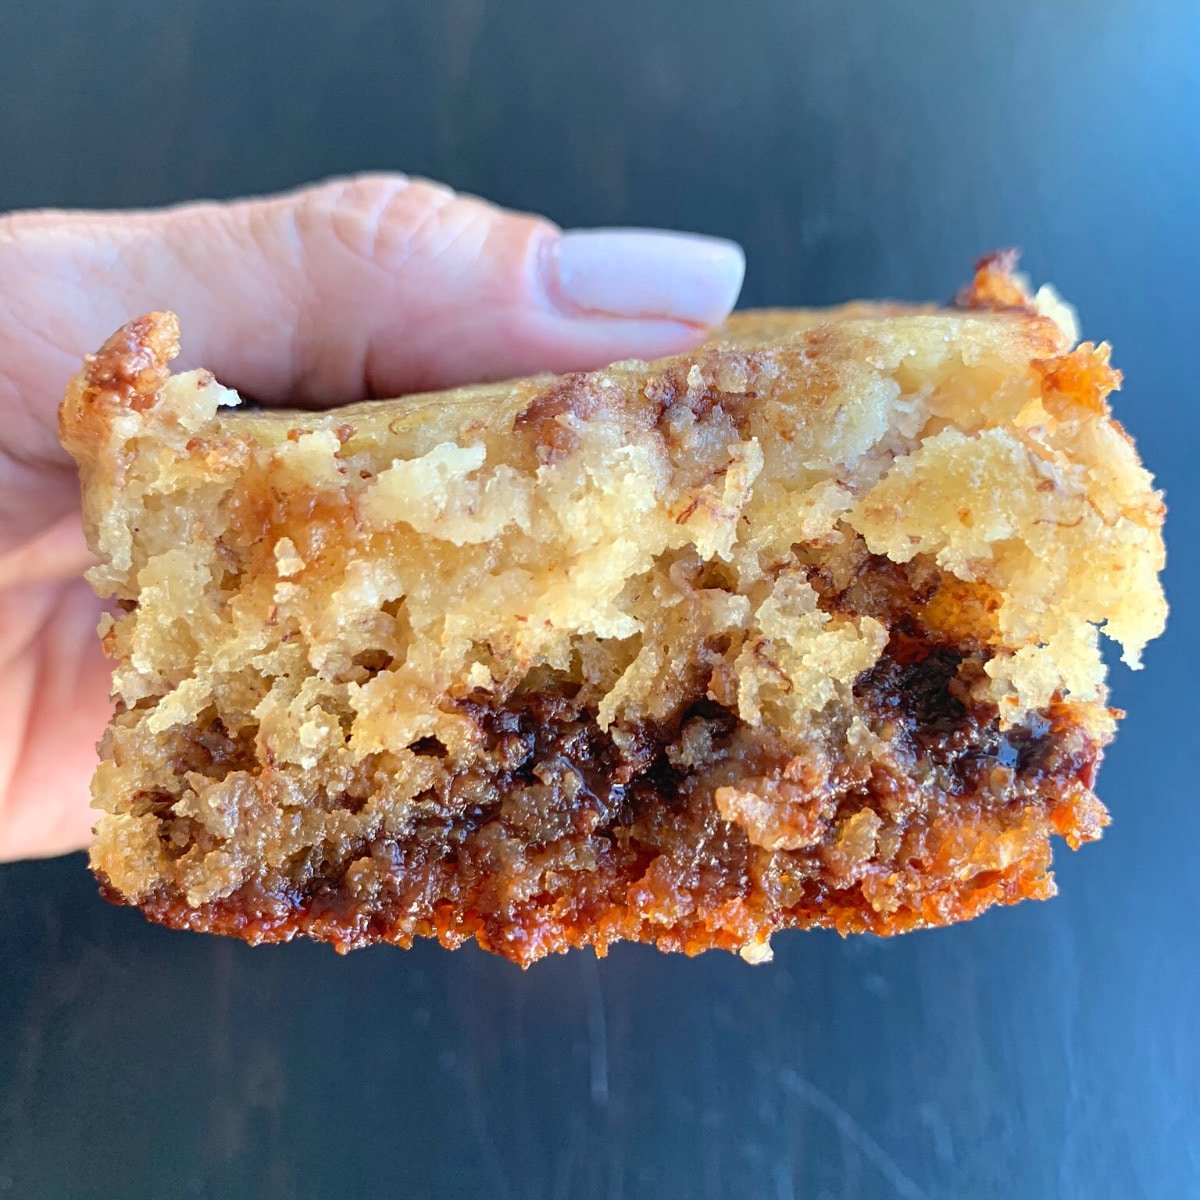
[{"x": 1046, "y": 1051}]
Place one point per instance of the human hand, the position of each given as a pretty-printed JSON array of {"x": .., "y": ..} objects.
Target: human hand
[{"x": 372, "y": 286}]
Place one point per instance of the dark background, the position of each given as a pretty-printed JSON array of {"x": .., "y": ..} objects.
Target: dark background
[{"x": 863, "y": 149}]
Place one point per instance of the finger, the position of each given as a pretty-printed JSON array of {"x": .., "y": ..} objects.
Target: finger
[
  {"x": 369, "y": 286},
  {"x": 54, "y": 707}
]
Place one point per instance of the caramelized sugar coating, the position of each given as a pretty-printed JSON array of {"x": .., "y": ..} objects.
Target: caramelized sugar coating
[{"x": 798, "y": 629}]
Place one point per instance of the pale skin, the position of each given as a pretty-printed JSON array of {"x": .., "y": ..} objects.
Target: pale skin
[{"x": 371, "y": 286}]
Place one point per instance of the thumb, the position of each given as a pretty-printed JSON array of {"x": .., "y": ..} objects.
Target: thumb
[{"x": 374, "y": 285}]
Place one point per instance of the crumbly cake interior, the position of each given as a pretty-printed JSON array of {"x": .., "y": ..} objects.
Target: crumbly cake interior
[{"x": 798, "y": 629}]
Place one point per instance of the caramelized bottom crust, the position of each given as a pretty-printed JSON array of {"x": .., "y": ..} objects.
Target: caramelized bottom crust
[{"x": 707, "y": 833}]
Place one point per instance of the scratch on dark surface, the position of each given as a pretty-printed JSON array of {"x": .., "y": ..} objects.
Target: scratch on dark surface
[
  {"x": 1067, "y": 992},
  {"x": 853, "y": 1134},
  {"x": 244, "y": 1126},
  {"x": 785, "y": 1187},
  {"x": 930, "y": 1116},
  {"x": 573, "y": 1152},
  {"x": 463, "y": 25},
  {"x": 597, "y": 1031},
  {"x": 463, "y": 1068},
  {"x": 20, "y": 1090},
  {"x": 225, "y": 1128}
]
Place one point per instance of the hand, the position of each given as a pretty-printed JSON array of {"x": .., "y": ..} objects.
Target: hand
[{"x": 373, "y": 286}]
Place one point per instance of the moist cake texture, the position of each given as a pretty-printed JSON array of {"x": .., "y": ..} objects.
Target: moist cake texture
[{"x": 801, "y": 628}]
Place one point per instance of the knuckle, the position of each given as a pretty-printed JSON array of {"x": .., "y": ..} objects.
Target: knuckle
[
  {"x": 372, "y": 218},
  {"x": 385, "y": 222}
]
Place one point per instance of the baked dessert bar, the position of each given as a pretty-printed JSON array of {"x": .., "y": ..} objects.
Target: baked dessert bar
[{"x": 798, "y": 629}]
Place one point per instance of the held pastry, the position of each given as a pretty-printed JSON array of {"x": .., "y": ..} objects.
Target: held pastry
[{"x": 799, "y": 629}]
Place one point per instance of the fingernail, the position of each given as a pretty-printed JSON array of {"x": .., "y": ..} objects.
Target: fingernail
[{"x": 644, "y": 274}]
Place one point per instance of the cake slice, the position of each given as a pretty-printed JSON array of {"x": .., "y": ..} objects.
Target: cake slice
[{"x": 799, "y": 629}]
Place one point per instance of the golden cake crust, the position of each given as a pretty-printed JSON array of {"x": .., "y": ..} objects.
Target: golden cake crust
[{"x": 799, "y": 628}]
